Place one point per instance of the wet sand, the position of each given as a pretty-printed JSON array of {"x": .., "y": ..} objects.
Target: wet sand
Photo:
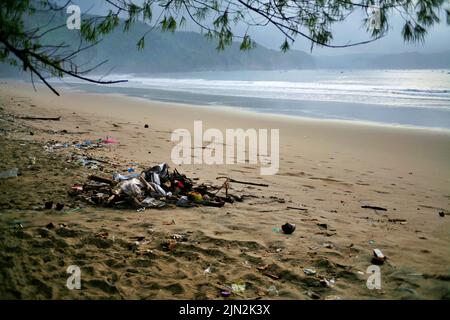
[{"x": 330, "y": 168}]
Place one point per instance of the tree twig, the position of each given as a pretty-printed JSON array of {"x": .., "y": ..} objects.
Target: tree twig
[{"x": 244, "y": 182}]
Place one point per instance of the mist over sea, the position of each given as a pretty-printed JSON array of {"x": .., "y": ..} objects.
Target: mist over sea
[{"x": 419, "y": 98}]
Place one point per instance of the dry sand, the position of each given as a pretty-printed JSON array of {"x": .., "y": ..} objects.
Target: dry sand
[{"x": 330, "y": 168}]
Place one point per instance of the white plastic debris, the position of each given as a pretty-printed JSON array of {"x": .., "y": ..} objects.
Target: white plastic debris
[
  {"x": 132, "y": 187},
  {"x": 238, "y": 287},
  {"x": 150, "y": 202},
  {"x": 309, "y": 272},
  {"x": 183, "y": 202},
  {"x": 272, "y": 291}
]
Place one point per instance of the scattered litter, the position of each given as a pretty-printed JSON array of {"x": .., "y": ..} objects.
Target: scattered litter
[
  {"x": 333, "y": 297},
  {"x": 297, "y": 208},
  {"x": 288, "y": 228},
  {"x": 77, "y": 187},
  {"x": 153, "y": 203},
  {"x": 88, "y": 144},
  {"x": 238, "y": 287},
  {"x": 110, "y": 140},
  {"x": 195, "y": 196},
  {"x": 171, "y": 245},
  {"x": 262, "y": 268},
  {"x": 102, "y": 235},
  {"x": 120, "y": 177},
  {"x": 179, "y": 237},
  {"x": 168, "y": 223},
  {"x": 244, "y": 182},
  {"x": 132, "y": 188},
  {"x": 309, "y": 272},
  {"x": 48, "y": 205},
  {"x": 416, "y": 274},
  {"x": 73, "y": 210},
  {"x": 50, "y": 226},
  {"x": 402, "y": 221},
  {"x": 374, "y": 208},
  {"x": 313, "y": 295},
  {"x": 379, "y": 257},
  {"x": 11, "y": 173},
  {"x": 327, "y": 283},
  {"x": 272, "y": 291},
  {"x": 184, "y": 202},
  {"x": 52, "y": 146},
  {"x": 138, "y": 238},
  {"x": 207, "y": 271},
  {"x": 134, "y": 246},
  {"x": 225, "y": 294},
  {"x": 39, "y": 118},
  {"x": 271, "y": 275}
]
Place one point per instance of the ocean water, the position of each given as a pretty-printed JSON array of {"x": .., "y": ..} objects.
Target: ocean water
[{"x": 418, "y": 98}]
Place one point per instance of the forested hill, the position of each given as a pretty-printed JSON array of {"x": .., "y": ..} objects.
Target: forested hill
[{"x": 166, "y": 51}]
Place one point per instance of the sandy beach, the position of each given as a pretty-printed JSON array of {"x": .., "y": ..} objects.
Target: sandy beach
[{"x": 329, "y": 168}]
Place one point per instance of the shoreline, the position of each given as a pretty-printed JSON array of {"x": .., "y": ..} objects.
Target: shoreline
[{"x": 254, "y": 112}]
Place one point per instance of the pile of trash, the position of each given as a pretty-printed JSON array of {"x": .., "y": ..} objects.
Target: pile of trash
[{"x": 155, "y": 187}]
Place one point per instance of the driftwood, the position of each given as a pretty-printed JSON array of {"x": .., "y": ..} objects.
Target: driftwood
[
  {"x": 244, "y": 182},
  {"x": 64, "y": 131},
  {"x": 212, "y": 204},
  {"x": 40, "y": 118},
  {"x": 296, "y": 208},
  {"x": 101, "y": 179},
  {"x": 374, "y": 208},
  {"x": 271, "y": 275},
  {"x": 100, "y": 160},
  {"x": 225, "y": 185},
  {"x": 397, "y": 220}
]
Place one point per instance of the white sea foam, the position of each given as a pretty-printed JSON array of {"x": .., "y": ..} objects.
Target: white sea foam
[
  {"x": 394, "y": 97},
  {"x": 385, "y": 91}
]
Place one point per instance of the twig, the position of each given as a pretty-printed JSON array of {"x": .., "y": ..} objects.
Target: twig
[
  {"x": 101, "y": 179},
  {"x": 296, "y": 208},
  {"x": 40, "y": 118},
  {"x": 374, "y": 208},
  {"x": 244, "y": 182}
]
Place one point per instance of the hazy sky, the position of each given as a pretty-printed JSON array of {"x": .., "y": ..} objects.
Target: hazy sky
[{"x": 438, "y": 38}]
